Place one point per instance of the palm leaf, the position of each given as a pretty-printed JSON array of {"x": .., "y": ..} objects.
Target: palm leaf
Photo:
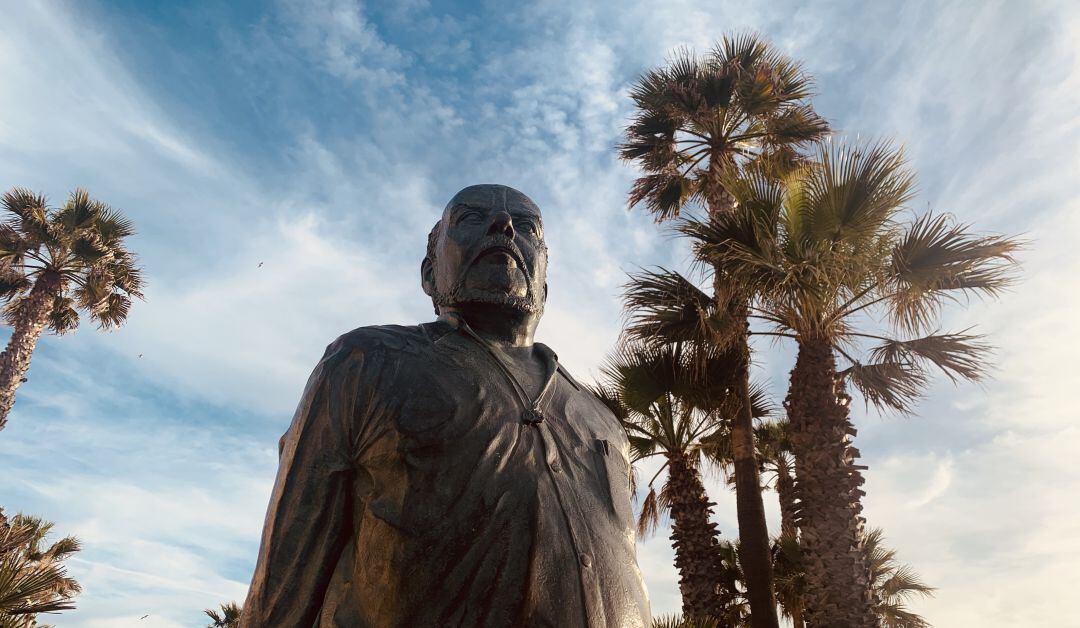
[
  {"x": 63, "y": 318},
  {"x": 937, "y": 258},
  {"x": 959, "y": 356},
  {"x": 887, "y": 385},
  {"x": 665, "y": 307}
]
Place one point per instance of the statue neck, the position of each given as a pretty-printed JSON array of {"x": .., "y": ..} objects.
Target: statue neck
[{"x": 505, "y": 328}]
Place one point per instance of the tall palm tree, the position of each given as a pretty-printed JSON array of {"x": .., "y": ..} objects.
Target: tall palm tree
[
  {"x": 696, "y": 119},
  {"x": 53, "y": 261},
  {"x": 666, "y": 414},
  {"x": 32, "y": 576},
  {"x": 832, "y": 266},
  {"x": 229, "y": 617}
]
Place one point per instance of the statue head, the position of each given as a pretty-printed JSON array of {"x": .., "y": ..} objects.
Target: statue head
[{"x": 487, "y": 249}]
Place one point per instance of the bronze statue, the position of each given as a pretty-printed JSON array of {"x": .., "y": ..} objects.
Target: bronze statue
[{"x": 453, "y": 473}]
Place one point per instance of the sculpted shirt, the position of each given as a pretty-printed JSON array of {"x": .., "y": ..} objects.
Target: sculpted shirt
[{"x": 410, "y": 493}]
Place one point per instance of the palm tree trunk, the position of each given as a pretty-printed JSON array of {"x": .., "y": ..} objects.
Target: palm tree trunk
[
  {"x": 705, "y": 594},
  {"x": 30, "y": 322},
  {"x": 785, "y": 491},
  {"x": 754, "y": 554},
  {"x": 827, "y": 486}
]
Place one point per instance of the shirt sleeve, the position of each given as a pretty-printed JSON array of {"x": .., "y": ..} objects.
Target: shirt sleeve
[{"x": 309, "y": 519}]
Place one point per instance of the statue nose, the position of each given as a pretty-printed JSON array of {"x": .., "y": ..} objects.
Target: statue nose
[{"x": 502, "y": 224}]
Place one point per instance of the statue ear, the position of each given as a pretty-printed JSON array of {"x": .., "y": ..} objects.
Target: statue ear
[{"x": 427, "y": 276}]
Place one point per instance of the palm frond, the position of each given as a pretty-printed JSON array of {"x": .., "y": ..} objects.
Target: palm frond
[
  {"x": 112, "y": 226},
  {"x": 113, "y": 311},
  {"x": 959, "y": 356},
  {"x": 664, "y": 194},
  {"x": 665, "y": 307},
  {"x": 856, "y": 191},
  {"x": 31, "y": 213},
  {"x": 887, "y": 385},
  {"x": 937, "y": 259},
  {"x": 13, "y": 283},
  {"x": 63, "y": 318},
  {"x": 78, "y": 213},
  {"x": 649, "y": 519},
  {"x": 23, "y": 203}
]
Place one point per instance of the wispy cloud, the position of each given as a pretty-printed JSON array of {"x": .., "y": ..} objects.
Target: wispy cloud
[{"x": 368, "y": 118}]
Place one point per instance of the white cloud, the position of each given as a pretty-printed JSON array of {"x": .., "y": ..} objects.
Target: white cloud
[{"x": 169, "y": 500}]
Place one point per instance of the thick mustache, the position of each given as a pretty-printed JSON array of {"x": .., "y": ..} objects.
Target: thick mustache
[{"x": 501, "y": 244}]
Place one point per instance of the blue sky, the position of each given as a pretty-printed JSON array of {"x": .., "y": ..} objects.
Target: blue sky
[{"x": 322, "y": 138}]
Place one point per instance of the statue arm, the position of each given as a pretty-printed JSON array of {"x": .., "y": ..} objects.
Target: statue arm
[{"x": 308, "y": 521}]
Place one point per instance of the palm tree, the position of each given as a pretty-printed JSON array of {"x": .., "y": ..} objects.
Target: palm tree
[
  {"x": 773, "y": 440},
  {"x": 53, "y": 261},
  {"x": 675, "y": 621},
  {"x": 654, "y": 391},
  {"x": 228, "y": 618},
  {"x": 828, "y": 261},
  {"x": 698, "y": 118},
  {"x": 893, "y": 583},
  {"x": 790, "y": 576},
  {"x": 32, "y": 576}
]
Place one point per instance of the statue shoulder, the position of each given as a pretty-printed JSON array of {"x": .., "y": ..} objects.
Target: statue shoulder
[{"x": 384, "y": 341}]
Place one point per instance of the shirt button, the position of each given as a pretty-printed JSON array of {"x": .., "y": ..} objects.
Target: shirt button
[
  {"x": 556, "y": 467},
  {"x": 586, "y": 560}
]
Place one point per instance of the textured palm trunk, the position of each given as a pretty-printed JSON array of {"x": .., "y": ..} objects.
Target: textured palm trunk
[
  {"x": 754, "y": 554},
  {"x": 15, "y": 360},
  {"x": 785, "y": 492},
  {"x": 697, "y": 544},
  {"x": 827, "y": 486}
]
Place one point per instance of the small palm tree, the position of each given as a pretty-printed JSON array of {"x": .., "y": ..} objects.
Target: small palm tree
[
  {"x": 675, "y": 621},
  {"x": 790, "y": 577},
  {"x": 653, "y": 391},
  {"x": 228, "y": 618},
  {"x": 893, "y": 584},
  {"x": 774, "y": 453},
  {"x": 53, "y": 261},
  {"x": 697, "y": 119},
  {"x": 32, "y": 576},
  {"x": 830, "y": 263}
]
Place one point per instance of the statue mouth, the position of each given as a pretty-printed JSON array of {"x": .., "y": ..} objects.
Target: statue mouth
[{"x": 502, "y": 255}]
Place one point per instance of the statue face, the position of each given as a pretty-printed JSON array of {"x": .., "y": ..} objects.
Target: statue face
[{"x": 490, "y": 250}]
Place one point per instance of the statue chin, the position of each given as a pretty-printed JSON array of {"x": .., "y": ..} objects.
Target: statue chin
[{"x": 463, "y": 297}]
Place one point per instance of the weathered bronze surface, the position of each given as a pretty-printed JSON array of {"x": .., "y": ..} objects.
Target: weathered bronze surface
[{"x": 453, "y": 473}]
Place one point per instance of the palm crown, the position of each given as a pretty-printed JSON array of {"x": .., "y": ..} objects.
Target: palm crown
[
  {"x": 825, "y": 248},
  {"x": 78, "y": 250},
  {"x": 698, "y": 117},
  {"x": 32, "y": 576}
]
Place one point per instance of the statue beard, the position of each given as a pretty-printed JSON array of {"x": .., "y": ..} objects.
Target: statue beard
[{"x": 460, "y": 295}]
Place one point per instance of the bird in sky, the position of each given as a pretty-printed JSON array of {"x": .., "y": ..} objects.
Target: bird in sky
[{"x": 260, "y": 265}]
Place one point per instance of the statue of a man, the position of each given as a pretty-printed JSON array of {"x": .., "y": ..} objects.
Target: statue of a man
[{"x": 453, "y": 473}]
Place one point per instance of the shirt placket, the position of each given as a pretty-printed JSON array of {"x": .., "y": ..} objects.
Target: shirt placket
[{"x": 575, "y": 523}]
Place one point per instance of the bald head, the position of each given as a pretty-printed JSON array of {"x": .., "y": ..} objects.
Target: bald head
[{"x": 493, "y": 196}]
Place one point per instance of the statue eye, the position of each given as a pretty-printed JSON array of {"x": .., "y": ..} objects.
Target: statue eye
[
  {"x": 525, "y": 226},
  {"x": 471, "y": 217}
]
